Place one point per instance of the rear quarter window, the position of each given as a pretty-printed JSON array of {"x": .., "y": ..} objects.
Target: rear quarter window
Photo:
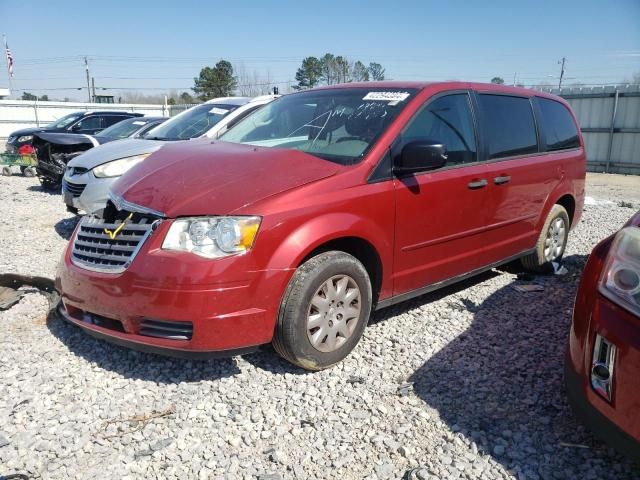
[
  {"x": 508, "y": 125},
  {"x": 558, "y": 128}
]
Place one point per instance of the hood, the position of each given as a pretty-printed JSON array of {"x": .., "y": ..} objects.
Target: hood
[
  {"x": 115, "y": 150},
  {"x": 216, "y": 178},
  {"x": 26, "y": 131},
  {"x": 64, "y": 138}
]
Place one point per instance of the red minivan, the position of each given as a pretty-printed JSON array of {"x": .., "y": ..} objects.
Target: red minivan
[
  {"x": 319, "y": 208},
  {"x": 602, "y": 368}
]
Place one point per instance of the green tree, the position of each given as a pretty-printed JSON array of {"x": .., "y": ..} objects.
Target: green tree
[
  {"x": 359, "y": 72},
  {"x": 329, "y": 69},
  {"x": 186, "y": 98},
  {"x": 309, "y": 74},
  {"x": 376, "y": 72},
  {"x": 218, "y": 81},
  {"x": 498, "y": 80},
  {"x": 28, "y": 96},
  {"x": 342, "y": 70}
]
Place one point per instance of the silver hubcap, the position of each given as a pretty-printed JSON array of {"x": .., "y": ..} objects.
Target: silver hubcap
[
  {"x": 554, "y": 243},
  {"x": 333, "y": 313}
]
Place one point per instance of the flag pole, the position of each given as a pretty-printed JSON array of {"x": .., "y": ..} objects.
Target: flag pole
[{"x": 4, "y": 38}]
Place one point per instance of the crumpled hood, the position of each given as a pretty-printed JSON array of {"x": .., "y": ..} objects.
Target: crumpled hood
[
  {"x": 64, "y": 138},
  {"x": 115, "y": 150},
  {"x": 202, "y": 177}
]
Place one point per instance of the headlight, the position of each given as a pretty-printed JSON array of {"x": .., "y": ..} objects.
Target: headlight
[
  {"x": 620, "y": 280},
  {"x": 118, "y": 167},
  {"x": 212, "y": 237},
  {"x": 25, "y": 138}
]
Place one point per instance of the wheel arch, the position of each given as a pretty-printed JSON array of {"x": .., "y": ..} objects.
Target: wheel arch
[{"x": 349, "y": 233}]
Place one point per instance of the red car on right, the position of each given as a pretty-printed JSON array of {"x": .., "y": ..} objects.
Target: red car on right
[{"x": 602, "y": 369}]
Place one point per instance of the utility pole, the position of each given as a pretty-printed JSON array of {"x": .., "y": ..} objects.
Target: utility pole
[
  {"x": 561, "y": 62},
  {"x": 86, "y": 66},
  {"x": 93, "y": 88},
  {"x": 515, "y": 79}
]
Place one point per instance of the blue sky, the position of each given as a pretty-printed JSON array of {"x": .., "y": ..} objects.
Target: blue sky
[{"x": 153, "y": 46}]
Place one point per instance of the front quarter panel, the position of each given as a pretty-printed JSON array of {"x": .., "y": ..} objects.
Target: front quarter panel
[{"x": 320, "y": 215}]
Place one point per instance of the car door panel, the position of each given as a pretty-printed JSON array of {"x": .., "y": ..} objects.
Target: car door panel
[
  {"x": 439, "y": 227},
  {"x": 440, "y": 215},
  {"x": 520, "y": 176}
]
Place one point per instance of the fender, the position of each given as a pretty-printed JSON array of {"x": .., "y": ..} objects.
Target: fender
[
  {"x": 565, "y": 187},
  {"x": 317, "y": 231}
]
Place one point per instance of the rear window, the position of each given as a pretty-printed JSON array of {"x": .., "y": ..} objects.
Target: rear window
[
  {"x": 509, "y": 125},
  {"x": 560, "y": 131}
]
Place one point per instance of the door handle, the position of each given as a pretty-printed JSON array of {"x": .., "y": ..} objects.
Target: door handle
[
  {"x": 502, "y": 179},
  {"x": 476, "y": 184}
]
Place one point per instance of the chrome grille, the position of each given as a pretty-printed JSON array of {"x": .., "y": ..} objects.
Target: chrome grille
[
  {"x": 94, "y": 250},
  {"x": 166, "y": 329},
  {"x": 74, "y": 189}
]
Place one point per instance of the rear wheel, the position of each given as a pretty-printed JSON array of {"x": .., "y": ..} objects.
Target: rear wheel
[
  {"x": 551, "y": 242},
  {"x": 324, "y": 311}
]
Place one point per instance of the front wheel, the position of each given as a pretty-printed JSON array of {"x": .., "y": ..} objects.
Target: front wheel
[
  {"x": 551, "y": 242},
  {"x": 324, "y": 311}
]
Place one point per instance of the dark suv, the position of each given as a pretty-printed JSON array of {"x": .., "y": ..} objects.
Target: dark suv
[{"x": 88, "y": 123}]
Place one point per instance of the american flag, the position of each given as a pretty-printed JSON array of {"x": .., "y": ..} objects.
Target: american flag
[{"x": 9, "y": 58}]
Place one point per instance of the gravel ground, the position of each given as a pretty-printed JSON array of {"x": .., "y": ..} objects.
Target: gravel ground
[{"x": 462, "y": 383}]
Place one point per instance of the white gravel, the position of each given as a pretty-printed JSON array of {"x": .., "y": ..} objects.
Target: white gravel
[{"x": 462, "y": 383}]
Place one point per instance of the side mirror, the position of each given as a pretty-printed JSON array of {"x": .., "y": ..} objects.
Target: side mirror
[
  {"x": 76, "y": 128},
  {"x": 420, "y": 156}
]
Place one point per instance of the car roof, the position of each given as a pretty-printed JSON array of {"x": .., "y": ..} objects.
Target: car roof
[
  {"x": 445, "y": 85},
  {"x": 111, "y": 112}
]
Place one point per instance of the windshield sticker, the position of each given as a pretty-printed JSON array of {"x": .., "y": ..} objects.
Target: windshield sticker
[
  {"x": 392, "y": 97},
  {"x": 137, "y": 122},
  {"x": 218, "y": 111}
]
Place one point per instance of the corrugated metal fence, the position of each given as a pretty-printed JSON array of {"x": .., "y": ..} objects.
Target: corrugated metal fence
[{"x": 609, "y": 118}]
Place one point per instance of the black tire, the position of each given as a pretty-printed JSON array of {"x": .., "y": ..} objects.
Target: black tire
[
  {"x": 537, "y": 262},
  {"x": 6, "y": 171},
  {"x": 290, "y": 338},
  {"x": 29, "y": 172}
]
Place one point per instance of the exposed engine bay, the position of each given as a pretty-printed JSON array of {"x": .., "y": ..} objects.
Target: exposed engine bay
[{"x": 54, "y": 151}]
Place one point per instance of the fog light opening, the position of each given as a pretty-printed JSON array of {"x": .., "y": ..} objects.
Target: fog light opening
[{"x": 602, "y": 367}]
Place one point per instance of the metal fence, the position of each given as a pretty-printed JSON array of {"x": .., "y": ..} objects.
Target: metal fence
[
  {"x": 609, "y": 118},
  {"x": 17, "y": 114}
]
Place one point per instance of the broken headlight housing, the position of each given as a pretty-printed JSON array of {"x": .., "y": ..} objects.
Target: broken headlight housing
[
  {"x": 119, "y": 167},
  {"x": 620, "y": 279},
  {"x": 212, "y": 237}
]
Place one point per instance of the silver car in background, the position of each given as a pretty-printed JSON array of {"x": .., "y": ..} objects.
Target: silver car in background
[{"x": 86, "y": 182}]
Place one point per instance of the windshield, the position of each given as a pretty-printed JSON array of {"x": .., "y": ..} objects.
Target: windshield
[
  {"x": 64, "y": 121},
  {"x": 191, "y": 124},
  {"x": 123, "y": 129},
  {"x": 335, "y": 124}
]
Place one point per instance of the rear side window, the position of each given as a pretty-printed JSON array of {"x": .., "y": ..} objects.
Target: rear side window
[
  {"x": 559, "y": 129},
  {"x": 89, "y": 123},
  {"x": 508, "y": 125},
  {"x": 447, "y": 120},
  {"x": 113, "y": 119}
]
